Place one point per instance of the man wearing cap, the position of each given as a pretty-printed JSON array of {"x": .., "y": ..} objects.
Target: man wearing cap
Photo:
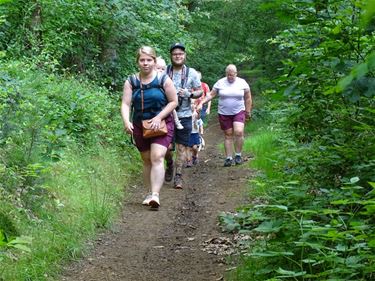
[{"x": 188, "y": 85}]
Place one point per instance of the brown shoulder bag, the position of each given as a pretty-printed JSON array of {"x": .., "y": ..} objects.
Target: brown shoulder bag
[{"x": 148, "y": 132}]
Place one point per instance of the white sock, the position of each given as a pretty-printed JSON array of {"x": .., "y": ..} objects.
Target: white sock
[{"x": 238, "y": 154}]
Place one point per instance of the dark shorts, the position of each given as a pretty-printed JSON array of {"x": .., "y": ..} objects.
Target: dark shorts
[
  {"x": 145, "y": 144},
  {"x": 183, "y": 136},
  {"x": 195, "y": 139},
  {"x": 226, "y": 121}
]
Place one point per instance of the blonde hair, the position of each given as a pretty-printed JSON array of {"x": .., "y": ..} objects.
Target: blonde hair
[
  {"x": 160, "y": 64},
  {"x": 146, "y": 50}
]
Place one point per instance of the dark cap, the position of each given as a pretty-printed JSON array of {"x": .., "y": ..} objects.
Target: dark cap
[{"x": 177, "y": 45}]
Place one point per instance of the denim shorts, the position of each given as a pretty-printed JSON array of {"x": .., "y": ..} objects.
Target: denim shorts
[
  {"x": 183, "y": 136},
  {"x": 143, "y": 144},
  {"x": 195, "y": 139},
  {"x": 226, "y": 121}
]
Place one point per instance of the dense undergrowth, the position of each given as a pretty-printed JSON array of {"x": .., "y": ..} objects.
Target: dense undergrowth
[
  {"x": 298, "y": 228},
  {"x": 64, "y": 167},
  {"x": 314, "y": 198}
]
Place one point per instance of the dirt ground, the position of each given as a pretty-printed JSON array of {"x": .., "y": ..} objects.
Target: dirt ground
[{"x": 180, "y": 241}]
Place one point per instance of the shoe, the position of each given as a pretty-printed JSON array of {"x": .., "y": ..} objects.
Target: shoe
[
  {"x": 147, "y": 200},
  {"x": 202, "y": 144},
  {"x": 228, "y": 162},
  {"x": 178, "y": 181},
  {"x": 195, "y": 160},
  {"x": 154, "y": 202},
  {"x": 238, "y": 160},
  {"x": 178, "y": 124},
  {"x": 169, "y": 172},
  {"x": 189, "y": 163}
]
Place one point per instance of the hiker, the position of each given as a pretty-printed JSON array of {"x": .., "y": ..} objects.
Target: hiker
[
  {"x": 195, "y": 137},
  {"x": 151, "y": 95},
  {"x": 188, "y": 85},
  {"x": 206, "y": 108},
  {"x": 161, "y": 67},
  {"x": 234, "y": 109}
]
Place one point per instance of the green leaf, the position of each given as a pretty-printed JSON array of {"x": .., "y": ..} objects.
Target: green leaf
[
  {"x": 360, "y": 70},
  {"x": 371, "y": 243},
  {"x": 271, "y": 254},
  {"x": 345, "y": 82},
  {"x": 289, "y": 274},
  {"x": 22, "y": 247},
  {"x": 354, "y": 180},
  {"x": 280, "y": 207},
  {"x": 269, "y": 226}
]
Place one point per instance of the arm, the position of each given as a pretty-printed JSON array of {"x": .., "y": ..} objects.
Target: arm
[
  {"x": 248, "y": 103},
  {"x": 193, "y": 93},
  {"x": 125, "y": 107},
  {"x": 207, "y": 98},
  {"x": 208, "y": 110}
]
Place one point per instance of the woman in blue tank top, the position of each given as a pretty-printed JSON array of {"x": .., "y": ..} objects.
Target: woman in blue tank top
[{"x": 159, "y": 99}]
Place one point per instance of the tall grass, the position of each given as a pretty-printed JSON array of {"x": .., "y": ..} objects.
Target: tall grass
[
  {"x": 261, "y": 142},
  {"x": 81, "y": 193}
]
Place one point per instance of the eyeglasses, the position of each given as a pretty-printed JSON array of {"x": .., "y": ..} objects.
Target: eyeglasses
[{"x": 178, "y": 54}]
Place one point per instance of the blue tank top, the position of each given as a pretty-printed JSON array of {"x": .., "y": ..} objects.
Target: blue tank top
[{"x": 154, "y": 100}]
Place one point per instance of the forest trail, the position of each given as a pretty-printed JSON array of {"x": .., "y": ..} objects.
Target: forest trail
[{"x": 172, "y": 243}]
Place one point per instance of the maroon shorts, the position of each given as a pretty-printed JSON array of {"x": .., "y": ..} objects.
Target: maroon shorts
[
  {"x": 145, "y": 144},
  {"x": 226, "y": 121}
]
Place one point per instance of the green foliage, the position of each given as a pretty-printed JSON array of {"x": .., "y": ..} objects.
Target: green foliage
[
  {"x": 94, "y": 38},
  {"x": 310, "y": 234},
  {"x": 235, "y": 32},
  {"x": 59, "y": 178},
  {"x": 315, "y": 220},
  {"x": 329, "y": 112},
  {"x": 83, "y": 191}
]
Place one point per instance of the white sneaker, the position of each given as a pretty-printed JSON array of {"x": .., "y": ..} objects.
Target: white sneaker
[
  {"x": 202, "y": 145},
  {"x": 154, "y": 202},
  {"x": 178, "y": 124},
  {"x": 147, "y": 200}
]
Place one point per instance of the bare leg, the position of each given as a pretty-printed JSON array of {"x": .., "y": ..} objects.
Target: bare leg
[
  {"x": 228, "y": 142},
  {"x": 146, "y": 169},
  {"x": 181, "y": 158},
  {"x": 238, "y": 129},
  {"x": 157, "y": 167}
]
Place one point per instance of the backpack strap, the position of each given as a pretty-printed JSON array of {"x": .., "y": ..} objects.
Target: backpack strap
[
  {"x": 169, "y": 71},
  {"x": 161, "y": 80},
  {"x": 134, "y": 82},
  {"x": 184, "y": 74}
]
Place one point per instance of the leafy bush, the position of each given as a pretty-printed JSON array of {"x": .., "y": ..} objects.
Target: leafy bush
[
  {"x": 62, "y": 154},
  {"x": 307, "y": 234}
]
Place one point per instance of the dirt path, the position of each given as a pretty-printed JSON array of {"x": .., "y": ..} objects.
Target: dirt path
[{"x": 172, "y": 243}]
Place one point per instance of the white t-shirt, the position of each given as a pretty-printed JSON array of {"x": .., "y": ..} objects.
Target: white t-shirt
[
  {"x": 196, "y": 123},
  {"x": 231, "y": 95}
]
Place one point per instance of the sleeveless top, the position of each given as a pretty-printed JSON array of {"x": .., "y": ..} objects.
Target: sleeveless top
[{"x": 154, "y": 100}]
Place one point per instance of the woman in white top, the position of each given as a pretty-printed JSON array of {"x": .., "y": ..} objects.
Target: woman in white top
[{"x": 234, "y": 109}]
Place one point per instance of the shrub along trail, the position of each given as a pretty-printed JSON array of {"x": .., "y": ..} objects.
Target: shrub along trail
[{"x": 181, "y": 241}]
